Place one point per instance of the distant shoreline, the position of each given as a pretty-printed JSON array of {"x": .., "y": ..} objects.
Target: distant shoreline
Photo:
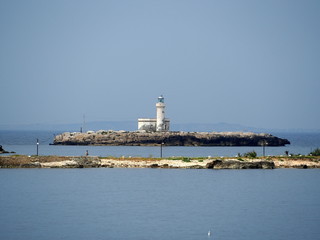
[{"x": 23, "y": 161}]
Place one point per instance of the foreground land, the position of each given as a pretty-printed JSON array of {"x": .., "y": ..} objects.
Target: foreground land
[{"x": 22, "y": 161}]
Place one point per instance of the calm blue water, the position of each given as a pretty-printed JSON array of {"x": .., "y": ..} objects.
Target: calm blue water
[
  {"x": 140, "y": 204},
  {"x": 24, "y": 142}
]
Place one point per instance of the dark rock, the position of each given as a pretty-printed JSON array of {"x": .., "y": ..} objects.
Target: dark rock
[
  {"x": 235, "y": 164},
  {"x": 88, "y": 162},
  {"x": 210, "y": 165},
  {"x": 196, "y": 167},
  {"x": 2, "y": 150},
  {"x": 31, "y": 165}
]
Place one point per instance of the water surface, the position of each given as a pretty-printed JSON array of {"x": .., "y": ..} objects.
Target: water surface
[
  {"x": 24, "y": 142},
  {"x": 159, "y": 204}
]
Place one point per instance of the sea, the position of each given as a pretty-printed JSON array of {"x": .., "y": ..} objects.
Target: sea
[
  {"x": 25, "y": 143},
  {"x": 171, "y": 204},
  {"x": 166, "y": 204}
]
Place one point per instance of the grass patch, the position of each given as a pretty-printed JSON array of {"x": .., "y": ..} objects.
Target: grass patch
[{"x": 175, "y": 158}]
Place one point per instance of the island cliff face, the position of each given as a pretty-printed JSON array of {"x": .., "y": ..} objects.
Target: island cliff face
[{"x": 124, "y": 138}]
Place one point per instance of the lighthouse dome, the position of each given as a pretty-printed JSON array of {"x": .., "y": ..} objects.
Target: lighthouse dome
[{"x": 161, "y": 99}]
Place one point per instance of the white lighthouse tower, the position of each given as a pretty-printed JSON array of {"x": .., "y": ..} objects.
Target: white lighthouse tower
[
  {"x": 161, "y": 126},
  {"x": 158, "y": 124}
]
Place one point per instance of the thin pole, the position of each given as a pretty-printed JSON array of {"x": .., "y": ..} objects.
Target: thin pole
[
  {"x": 37, "y": 147},
  {"x": 264, "y": 144},
  {"x": 161, "y": 145}
]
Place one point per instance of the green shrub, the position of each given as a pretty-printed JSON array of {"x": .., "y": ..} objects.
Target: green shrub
[
  {"x": 315, "y": 152},
  {"x": 185, "y": 159},
  {"x": 251, "y": 154}
]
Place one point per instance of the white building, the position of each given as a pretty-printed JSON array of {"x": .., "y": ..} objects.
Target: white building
[{"x": 159, "y": 124}]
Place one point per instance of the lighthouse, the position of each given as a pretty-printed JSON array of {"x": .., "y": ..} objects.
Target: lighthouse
[
  {"x": 158, "y": 124},
  {"x": 161, "y": 126}
]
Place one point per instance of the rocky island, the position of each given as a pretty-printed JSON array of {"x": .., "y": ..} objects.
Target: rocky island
[
  {"x": 156, "y": 131},
  {"x": 169, "y": 138}
]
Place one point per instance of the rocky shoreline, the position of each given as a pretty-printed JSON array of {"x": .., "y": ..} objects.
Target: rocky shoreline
[
  {"x": 140, "y": 138},
  {"x": 22, "y": 161}
]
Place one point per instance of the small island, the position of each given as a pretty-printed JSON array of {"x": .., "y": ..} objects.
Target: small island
[
  {"x": 156, "y": 131},
  {"x": 141, "y": 138}
]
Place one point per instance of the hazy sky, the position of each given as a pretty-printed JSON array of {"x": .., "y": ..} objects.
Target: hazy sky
[{"x": 255, "y": 63}]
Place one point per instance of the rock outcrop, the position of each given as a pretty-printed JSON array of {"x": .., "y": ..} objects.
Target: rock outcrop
[
  {"x": 4, "y": 151},
  {"x": 236, "y": 164},
  {"x": 117, "y": 138}
]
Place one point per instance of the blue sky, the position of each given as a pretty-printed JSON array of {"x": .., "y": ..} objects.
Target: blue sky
[{"x": 255, "y": 63}]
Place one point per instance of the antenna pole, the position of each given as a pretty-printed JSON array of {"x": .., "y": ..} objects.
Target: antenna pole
[{"x": 37, "y": 147}]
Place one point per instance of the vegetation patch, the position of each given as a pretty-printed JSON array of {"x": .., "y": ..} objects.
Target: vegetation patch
[
  {"x": 251, "y": 154},
  {"x": 186, "y": 159},
  {"x": 315, "y": 152}
]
